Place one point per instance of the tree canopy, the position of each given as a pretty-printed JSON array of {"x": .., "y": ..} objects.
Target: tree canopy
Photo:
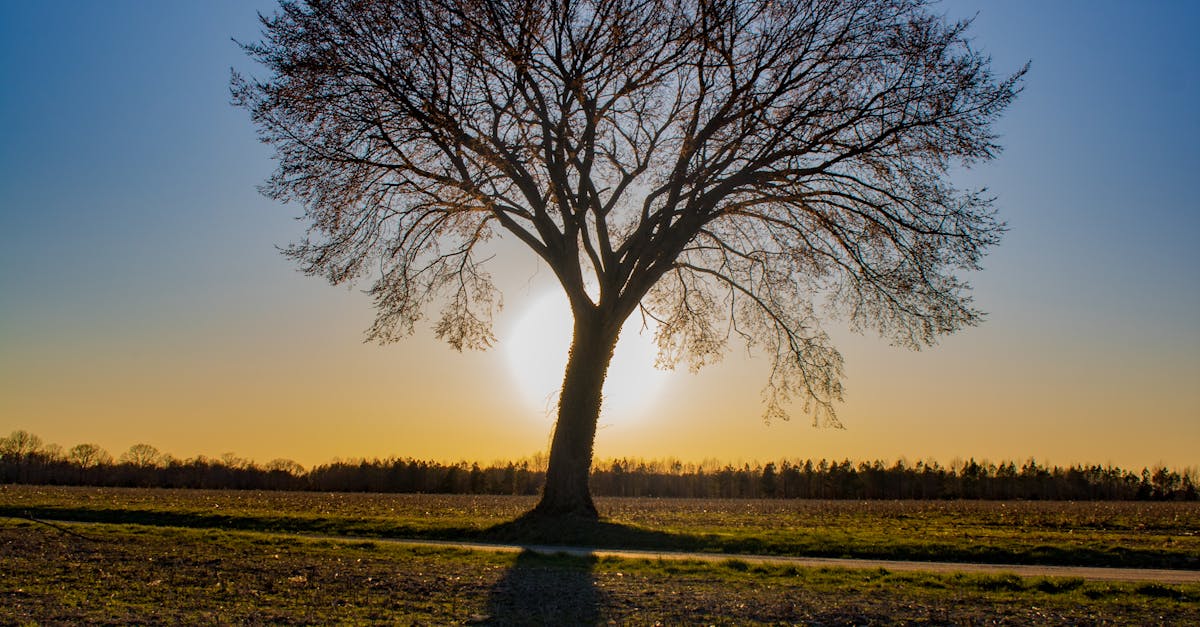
[{"x": 729, "y": 168}]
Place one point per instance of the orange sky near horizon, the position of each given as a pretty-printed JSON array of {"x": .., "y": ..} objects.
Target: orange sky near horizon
[
  {"x": 142, "y": 298},
  {"x": 287, "y": 375}
]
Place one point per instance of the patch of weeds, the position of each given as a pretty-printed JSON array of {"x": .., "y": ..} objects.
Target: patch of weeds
[
  {"x": 736, "y": 564},
  {"x": 572, "y": 561},
  {"x": 1159, "y": 591},
  {"x": 1059, "y": 586},
  {"x": 1003, "y": 582},
  {"x": 681, "y": 568},
  {"x": 918, "y": 579}
]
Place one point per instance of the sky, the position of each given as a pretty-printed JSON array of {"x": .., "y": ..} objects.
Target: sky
[{"x": 143, "y": 297}]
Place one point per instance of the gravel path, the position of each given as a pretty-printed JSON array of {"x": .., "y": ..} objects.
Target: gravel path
[{"x": 1089, "y": 573}]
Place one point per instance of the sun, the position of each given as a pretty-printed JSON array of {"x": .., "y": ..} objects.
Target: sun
[{"x": 536, "y": 346}]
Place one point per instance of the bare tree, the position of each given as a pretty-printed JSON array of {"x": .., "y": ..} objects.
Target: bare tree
[
  {"x": 284, "y": 465},
  {"x": 53, "y": 452},
  {"x": 729, "y": 168},
  {"x": 88, "y": 455},
  {"x": 19, "y": 445},
  {"x": 142, "y": 455}
]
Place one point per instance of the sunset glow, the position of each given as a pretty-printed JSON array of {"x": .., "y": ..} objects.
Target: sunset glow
[{"x": 536, "y": 347}]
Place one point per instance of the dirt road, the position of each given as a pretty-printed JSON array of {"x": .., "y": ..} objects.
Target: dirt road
[{"x": 1090, "y": 573}]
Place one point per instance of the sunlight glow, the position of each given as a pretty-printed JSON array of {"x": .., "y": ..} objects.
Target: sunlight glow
[{"x": 536, "y": 347}]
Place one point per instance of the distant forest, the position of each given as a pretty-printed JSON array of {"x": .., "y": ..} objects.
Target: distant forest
[{"x": 24, "y": 459}]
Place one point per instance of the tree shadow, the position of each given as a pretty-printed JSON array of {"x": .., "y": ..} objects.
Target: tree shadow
[
  {"x": 545, "y": 533},
  {"x": 544, "y": 589},
  {"x": 552, "y": 581}
]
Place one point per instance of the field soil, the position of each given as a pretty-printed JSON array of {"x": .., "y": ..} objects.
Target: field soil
[
  {"x": 174, "y": 556},
  {"x": 130, "y": 574}
]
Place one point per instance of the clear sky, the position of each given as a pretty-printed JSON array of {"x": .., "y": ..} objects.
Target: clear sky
[{"x": 142, "y": 298}]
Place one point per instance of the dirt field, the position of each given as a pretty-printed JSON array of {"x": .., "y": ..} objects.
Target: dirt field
[{"x": 122, "y": 574}]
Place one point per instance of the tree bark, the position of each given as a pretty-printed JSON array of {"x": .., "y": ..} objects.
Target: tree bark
[{"x": 567, "y": 492}]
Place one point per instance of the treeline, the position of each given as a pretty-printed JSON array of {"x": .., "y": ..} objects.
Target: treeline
[
  {"x": 844, "y": 479},
  {"x": 23, "y": 459}
]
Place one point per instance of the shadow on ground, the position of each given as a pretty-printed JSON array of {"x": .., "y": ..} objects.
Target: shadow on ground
[
  {"x": 526, "y": 529},
  {"x": 582, "y": 532},
  {"x": 546, "y": 590}
]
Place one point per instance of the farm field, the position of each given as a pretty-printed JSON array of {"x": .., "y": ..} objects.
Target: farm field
[
  {"x": 1116, "y": 534},
  {"x": 122, "y": 573},
  {"x": 193, "y": 556}
]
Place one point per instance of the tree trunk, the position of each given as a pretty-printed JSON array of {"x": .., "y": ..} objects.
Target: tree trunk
[{"x": 567, "y": 492}]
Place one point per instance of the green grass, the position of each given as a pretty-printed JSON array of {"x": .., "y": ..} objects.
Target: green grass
[
  {"x": 120, "y": 574},
  {"x": 1154, "y": 535}
]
